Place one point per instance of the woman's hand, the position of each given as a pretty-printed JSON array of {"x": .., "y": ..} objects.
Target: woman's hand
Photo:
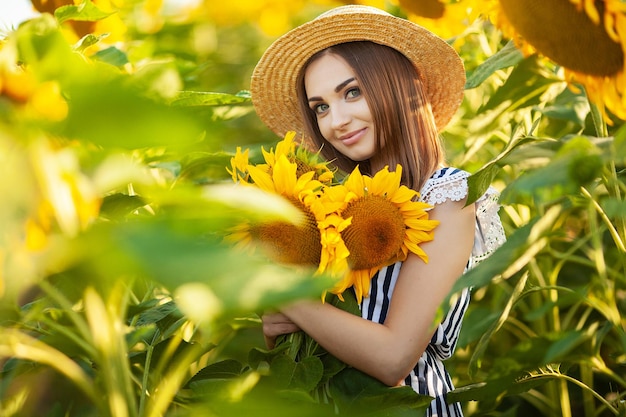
[{"x": 275, "y": 324}]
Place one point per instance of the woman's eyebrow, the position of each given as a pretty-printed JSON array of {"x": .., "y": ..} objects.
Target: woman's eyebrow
[
  {"x": 343, "y": 84},
  {"x": 339, "y": 87}
]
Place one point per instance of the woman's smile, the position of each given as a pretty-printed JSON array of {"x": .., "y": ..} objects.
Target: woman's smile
[{"x": 353, "y": 137}]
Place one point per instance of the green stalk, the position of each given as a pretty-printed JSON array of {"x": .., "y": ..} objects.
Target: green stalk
[
  {"x": 172, "y": 381},
  {"x": 598, "y": 121},
  {"x": 83, "y": 328},
  {"x": 106, "y": 323},
  {"x": 617, "y": 233},
  {"x": 585, "y": 388},
  {"x": 17, "y": 344},
  {"x": 586, "y": 376},
  {"x": 144, "y": 380}
]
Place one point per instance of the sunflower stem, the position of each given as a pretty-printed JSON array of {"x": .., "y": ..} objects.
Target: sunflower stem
[{"x": 598, "y": 120}]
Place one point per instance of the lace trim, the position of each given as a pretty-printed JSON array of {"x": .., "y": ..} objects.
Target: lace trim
[
  {"x": 489, "y": 234},
  {"x": 449, "y": 187}
]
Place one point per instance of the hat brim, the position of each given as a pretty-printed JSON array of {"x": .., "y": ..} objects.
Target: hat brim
[{"x": 274, "y": 80}]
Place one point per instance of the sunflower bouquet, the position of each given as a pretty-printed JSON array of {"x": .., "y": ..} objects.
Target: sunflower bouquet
[{"x": 350, "y": 227}]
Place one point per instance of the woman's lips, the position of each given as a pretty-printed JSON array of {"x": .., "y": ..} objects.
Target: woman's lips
[{"x": 352, "y": 137}]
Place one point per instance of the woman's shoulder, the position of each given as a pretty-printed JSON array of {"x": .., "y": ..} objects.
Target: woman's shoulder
[
  {"x": 450, "y": 183},
  {"x": 447, "y": 183}
]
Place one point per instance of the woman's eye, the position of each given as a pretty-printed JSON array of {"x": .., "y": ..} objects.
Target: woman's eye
[
  {"x": 353, "y": 92},
  {"x": 320, "y": 108}
]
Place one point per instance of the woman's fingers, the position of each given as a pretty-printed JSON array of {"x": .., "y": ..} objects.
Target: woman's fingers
[{"x": 275, "y": 324}]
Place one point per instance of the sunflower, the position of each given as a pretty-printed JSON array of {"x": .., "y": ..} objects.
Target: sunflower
[
  {"x": 586, "y": 37},
  {"x": 303, "y": 158},
  {"x": 386, "y": 223},
  {"x": 239, "y": 165},
  {"x": 448, "y": 19},
  {"x": 303, "y": 242},
  {"x": 305, "y": 161}
]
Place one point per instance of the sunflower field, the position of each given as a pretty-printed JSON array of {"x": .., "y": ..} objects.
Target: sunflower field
[{"x": 119, "y": 121}]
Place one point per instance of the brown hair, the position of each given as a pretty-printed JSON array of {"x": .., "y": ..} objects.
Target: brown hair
[{"x": 403, "y": 119}]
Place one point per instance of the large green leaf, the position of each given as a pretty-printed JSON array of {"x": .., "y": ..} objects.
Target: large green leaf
[
  {"x": 568, "y": 165},
  {"x": 506, "y": 57},
  {"x": 109, "y": 111},
  {"x": 85, "y": 11},
  {"x": 118, "y": 206},
  {"x": 356, "y": 393},
  {"x": 112, "y": 56},
  {"x": 202, "y": 98},
  {"x": 302, "y": 375},
  {"x": 620, "y": 146},
  {"x": 42, "y": 46},
  {"x": 524, "y": 86},
  {"x": 263, "y": 400},
  {"x": 174, "y": 256},
  {"x": 480, "y": 181}
]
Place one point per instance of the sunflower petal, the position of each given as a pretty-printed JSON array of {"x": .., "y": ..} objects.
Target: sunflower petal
[{"x": 262, "y": 179}]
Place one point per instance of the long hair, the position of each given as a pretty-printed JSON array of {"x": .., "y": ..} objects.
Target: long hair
[{"x": 403, "y": 120}]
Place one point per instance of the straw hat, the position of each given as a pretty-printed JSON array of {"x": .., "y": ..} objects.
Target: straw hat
[{"x": 274, "y": 80}]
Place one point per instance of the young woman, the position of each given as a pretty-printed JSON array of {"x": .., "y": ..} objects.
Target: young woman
[{"x": 374, "y": 90}]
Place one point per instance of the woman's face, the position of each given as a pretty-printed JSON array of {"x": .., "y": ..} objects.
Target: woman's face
[{"x": 343, "y": 115}]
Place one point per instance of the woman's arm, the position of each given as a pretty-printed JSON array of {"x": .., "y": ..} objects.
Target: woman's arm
[{"x": 389, "y": 351}]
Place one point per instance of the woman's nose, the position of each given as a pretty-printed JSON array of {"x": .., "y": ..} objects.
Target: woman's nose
[{"x": 339, "y": 116}]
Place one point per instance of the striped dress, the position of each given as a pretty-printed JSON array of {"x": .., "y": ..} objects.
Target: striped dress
[{"x": 429, "y": 376}]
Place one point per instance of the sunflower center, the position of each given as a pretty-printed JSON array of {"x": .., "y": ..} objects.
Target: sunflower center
[
  {"x": 303, "y": 167},
  {"x": 376, "y": 233},
  {"x": 289, "y": 243},
  {"x": 432, "y": 9},
  {"x": 566, "y": 35}
]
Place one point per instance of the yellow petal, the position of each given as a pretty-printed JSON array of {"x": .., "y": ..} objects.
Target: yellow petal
[{"x": 261, "y": 179}]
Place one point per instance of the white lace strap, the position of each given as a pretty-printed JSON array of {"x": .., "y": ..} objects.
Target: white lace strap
[
  {"x": 489, "y": 234},
  {"x": 445, "y": 184}
]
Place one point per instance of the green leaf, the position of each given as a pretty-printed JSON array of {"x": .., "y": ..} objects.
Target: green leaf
[
  {"x": 86, "y": 11},
  {"x": 109, "y": 111},
  {"x": 524, "y": 87},
  {"x": 546, "y": 184},
  {"x": 155, "y": 313},
  {"x": 226, "y": 369},
  {"x": 480, "y": 181},
  {"x": 87, "y": 41},
  {"x": 332, "y": 366},
  {"x": 475, "y": 324},
  {"x": 203, "y": 167},
  {"x": 614, "y": 207},
  {"x": 356, "y": 393},
  {"x": 264, "y": 400},
  {"x": 493, "y": 390},
  {"x": 256, "y": 356},
  {"x": 569, "y": 106},
  {"x": 506, "y": 57},
  {"x": 349, "y": 303},
  {"x": 519, "y": 249},
  {"x": 565, "y": 343},
  {"x": 200, "y": 98},
  {"x": 303, "y": 375},
  {"x": 178, "y": 253},
  {"x": 111, "y": 56},
  {"x": 43, "y": 47},
  {"x": 619, "y": 144},
  {"x": 569, "y": 163},
  {"x": 117, "y": 206}
]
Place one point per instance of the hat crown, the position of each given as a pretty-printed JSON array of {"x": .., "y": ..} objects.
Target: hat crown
[{"x": 353, "y": 9}]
